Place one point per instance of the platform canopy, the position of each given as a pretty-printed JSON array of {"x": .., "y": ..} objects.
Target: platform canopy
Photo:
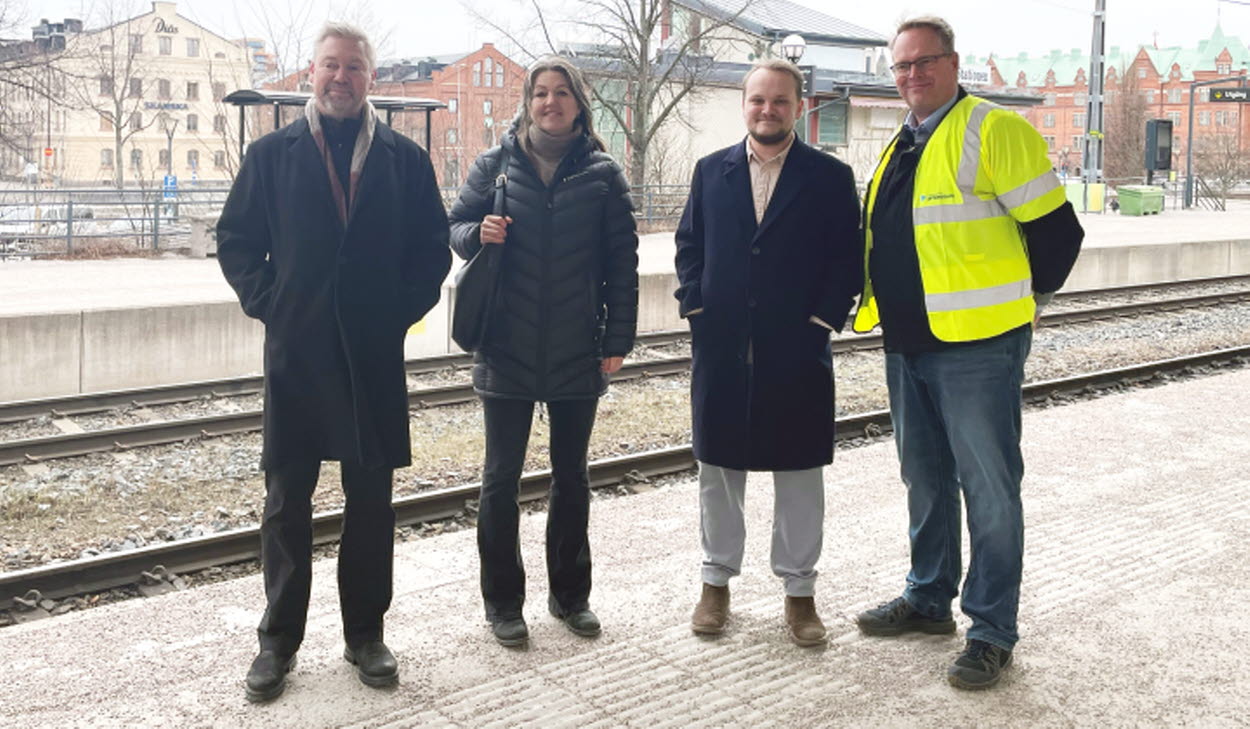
[{"x": 266, "y": 97}]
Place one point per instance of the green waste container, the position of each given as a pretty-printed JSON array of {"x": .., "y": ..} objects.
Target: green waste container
[{"x": 1140, "y": 199}]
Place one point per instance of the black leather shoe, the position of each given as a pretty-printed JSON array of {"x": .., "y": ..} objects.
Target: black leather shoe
[
  {"x": 510, "y": 632},
  {"x": 979, "y": 666},
  {"x": 582, "y": 622},
  {"x": 266, "y": 679},
  {"x": 374, "y": 662},
  {"x": 898, "y": 616}
]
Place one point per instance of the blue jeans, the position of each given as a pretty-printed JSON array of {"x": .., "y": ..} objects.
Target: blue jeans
[{"x": 956, "y": 417}]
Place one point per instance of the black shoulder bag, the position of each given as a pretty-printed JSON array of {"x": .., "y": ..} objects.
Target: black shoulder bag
[{"x": 478, "y": 280}]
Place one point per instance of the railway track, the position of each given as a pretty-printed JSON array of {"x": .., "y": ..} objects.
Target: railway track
[
  {"x": 90, "y": 403},
  {"x": 69, "y": 406},
  {"x": 126, "y": 568},
  {"x": 35, "y": 450}
]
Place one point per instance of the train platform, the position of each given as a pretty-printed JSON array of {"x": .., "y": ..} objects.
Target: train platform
[
  {"x": 73, "y": 327},
  {"x": 1137, "y": 571},
  {"x": 40, "y": 287}
]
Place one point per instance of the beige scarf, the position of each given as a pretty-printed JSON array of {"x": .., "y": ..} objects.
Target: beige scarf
[
  {"x": 547, "y": 150},
  {"x": 364, "y": 140}
]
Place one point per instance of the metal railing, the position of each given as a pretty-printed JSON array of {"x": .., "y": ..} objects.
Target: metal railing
[
  {"x": 1205, "y": 197},
  {"x": 40, "y": 223},
  {"x": 653, "y": 204},
  {"x": 659, "y": 203}
]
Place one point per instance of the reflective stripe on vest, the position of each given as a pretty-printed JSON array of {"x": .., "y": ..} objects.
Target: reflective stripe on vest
[
  {"x": 976, "y": 298},
  {"x": 1030, "y": 191}
]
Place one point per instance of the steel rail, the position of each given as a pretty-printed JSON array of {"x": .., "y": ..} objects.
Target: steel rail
[
  {"x": 1158, "y": 286},
  {"x": 96, "y": 402},
  {"x": 125, "y": 568},
  {"x": 1144, "y": 307},
  {"x": 33, "y": 450},
  {"x": 88, "y": 403}
]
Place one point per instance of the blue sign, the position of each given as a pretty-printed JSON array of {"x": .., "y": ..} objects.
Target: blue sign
[{"x": 171, "y": 187}]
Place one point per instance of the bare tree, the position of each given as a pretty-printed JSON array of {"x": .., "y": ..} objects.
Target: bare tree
[
  {"x": 114, "y": 80},
  {"x": 29, "y": 86},
  {"x": 637, "y": 81},
  {"x": 224, "y": 139},
  {"x": 669, "y": 161},
  {"x": 1124, "y": 148},
  {"x": 290, "y": 28},
  {"x": 1218, "y": 159}
]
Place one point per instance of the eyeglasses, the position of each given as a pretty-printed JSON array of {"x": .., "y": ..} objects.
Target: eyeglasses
[{"x": 922, "y": 64}]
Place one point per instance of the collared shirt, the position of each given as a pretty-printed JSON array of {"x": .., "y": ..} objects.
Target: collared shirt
[
  {"x": 764, "y": 175},
  {"x": 924, "y": 130}
]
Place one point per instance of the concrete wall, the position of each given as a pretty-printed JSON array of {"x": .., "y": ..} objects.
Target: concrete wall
[
  {"x": 432, "y": 335},
  {"x": 124, "y": 348},
  {"x": 46, "y": 355},
  {"x": 657, "y": 309},
  {"x": 1156, "y": 263},
  {"x": 62, "y": 354},
  {"x": 41, "y": 355}
]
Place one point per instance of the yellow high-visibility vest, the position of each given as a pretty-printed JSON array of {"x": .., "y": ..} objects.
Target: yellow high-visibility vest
[{"x": 984, "y": 171}]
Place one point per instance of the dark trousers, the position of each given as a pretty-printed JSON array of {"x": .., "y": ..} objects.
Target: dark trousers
[
  {"x": 498, "y": 542},
  {"x": 365, "y": 553}
]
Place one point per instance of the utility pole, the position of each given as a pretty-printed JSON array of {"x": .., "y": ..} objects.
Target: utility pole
[{"x": 1091, "y": 153}]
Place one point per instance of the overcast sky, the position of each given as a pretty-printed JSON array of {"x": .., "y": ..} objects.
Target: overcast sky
[{"x": 432, "y": 27}]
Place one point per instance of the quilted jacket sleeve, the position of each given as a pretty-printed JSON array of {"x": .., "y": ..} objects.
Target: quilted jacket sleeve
[{"x": 621, "y": 269}]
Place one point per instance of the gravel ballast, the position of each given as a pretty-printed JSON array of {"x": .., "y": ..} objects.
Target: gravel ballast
[{"x": 75, "y": 507}]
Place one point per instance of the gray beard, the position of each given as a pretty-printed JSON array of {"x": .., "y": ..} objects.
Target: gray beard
[{"x": 337, "y": 110}]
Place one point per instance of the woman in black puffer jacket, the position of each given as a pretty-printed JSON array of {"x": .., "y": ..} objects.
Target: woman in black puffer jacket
[{"x": 562, "y": 321}]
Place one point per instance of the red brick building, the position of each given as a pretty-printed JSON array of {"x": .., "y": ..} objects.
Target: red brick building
[
  {"x": 482, "y": 91},
  {"x": 1162, "y": 75}
]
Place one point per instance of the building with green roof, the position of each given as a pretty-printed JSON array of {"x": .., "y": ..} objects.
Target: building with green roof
[{"x": 1162, "y": 75}]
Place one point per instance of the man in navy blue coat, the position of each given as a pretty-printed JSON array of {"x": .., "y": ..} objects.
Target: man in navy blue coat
[{"x": 769, "y": 258}]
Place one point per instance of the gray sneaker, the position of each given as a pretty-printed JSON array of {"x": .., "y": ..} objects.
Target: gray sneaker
[{"x": 898, "y": 616}]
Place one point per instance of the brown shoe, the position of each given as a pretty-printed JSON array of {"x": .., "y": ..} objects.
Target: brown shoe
[
  {"x": 712, "y": 611},
  {"x": 804, "y": 624}
]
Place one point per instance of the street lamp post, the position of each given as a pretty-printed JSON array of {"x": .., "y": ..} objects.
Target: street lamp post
[{"x": 792, "y": 48}]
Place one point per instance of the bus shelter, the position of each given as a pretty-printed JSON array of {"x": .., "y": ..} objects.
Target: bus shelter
[{"x": 244, "y": 98}]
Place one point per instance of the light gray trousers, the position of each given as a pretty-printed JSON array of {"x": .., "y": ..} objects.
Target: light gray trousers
[{"x": 798, "y": 525}]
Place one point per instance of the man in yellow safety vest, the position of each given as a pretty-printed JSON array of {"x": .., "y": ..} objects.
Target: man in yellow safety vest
[{"x": 967, "y": 232}]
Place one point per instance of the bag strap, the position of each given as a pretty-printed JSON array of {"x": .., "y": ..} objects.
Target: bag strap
[{"x": 500, "y": 206}]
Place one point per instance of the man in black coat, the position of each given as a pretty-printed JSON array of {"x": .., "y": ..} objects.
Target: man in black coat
[
  {"x": 334, "y": 236},
  {"x": 769, "y": 260}
]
